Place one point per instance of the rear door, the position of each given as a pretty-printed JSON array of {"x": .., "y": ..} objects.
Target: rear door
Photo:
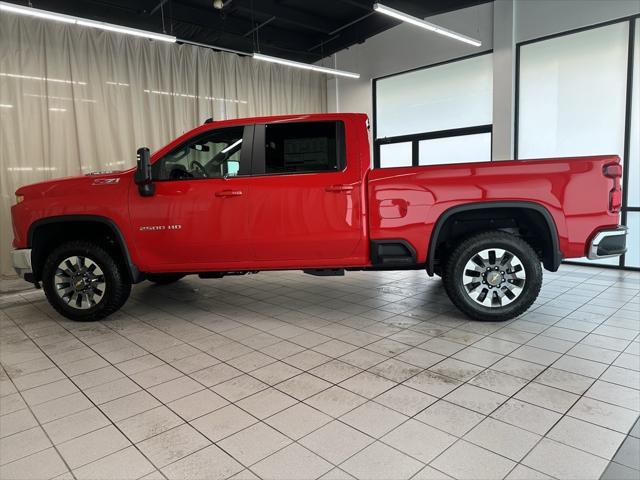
[{"x": 306, "y": 195}]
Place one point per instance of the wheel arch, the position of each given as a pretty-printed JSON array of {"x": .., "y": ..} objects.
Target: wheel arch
[
  {"x": 45, "y": 232},
  {"x": 551, "y": 253}
]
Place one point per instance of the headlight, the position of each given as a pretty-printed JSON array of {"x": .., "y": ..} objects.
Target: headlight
[{"x": 19, "y": 199}]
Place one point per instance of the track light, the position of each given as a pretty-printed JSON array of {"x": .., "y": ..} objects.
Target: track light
[
  {"x": 305, "y": 66},
  {"x": 378, "y": 7},
  {"x": 59, "y": 17}
]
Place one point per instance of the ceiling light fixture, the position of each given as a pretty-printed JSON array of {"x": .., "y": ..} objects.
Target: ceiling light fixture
[
  {"x": 305, "y": 66},
  {"x": 378, "y": 7},
  {"x": 59, "y": 17},
  {"x": 126, "y": 30}
]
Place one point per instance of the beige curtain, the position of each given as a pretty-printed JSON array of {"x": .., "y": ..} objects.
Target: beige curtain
[{"x": 75, "y": 100}]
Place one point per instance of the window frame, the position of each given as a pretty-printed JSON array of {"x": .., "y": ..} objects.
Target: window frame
[
  {"x": 415, "y": 138},
  {"x": 259, "y": 144},
  {"x": 625, "y": 160},
  {"x": 246, "y": 153}
]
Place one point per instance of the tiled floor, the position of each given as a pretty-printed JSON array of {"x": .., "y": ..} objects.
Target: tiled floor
[{"x": 288, "y": 376}]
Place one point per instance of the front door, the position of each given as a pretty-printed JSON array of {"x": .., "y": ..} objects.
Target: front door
[
  {"x": 197, "y": 218},
  {"x": 306, "y": 196}
]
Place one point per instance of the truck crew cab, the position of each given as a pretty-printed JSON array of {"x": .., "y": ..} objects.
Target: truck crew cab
[{"x": 298, "y": 192}]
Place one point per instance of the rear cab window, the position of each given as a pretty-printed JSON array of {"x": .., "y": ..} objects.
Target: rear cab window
[{"x": 300, "y": 147}]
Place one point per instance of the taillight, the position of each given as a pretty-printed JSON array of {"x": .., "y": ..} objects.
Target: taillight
[
  {"x": 615, "y": 200},
  {"x": 612, "y": 170}
]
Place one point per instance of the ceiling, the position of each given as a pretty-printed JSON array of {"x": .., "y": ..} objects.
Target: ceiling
[{"x": 303, "y": 30}]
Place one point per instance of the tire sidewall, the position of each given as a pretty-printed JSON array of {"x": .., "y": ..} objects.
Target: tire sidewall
[
  {"x": 96, "y": 254},
  {"x": 516, "y": 246}
]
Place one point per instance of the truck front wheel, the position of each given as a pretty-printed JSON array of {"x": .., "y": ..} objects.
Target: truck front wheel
[
  {"x": 493, "y": 276},
  {"x": 83, "y": 282}
]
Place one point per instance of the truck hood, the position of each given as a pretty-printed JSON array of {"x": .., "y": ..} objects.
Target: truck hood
[{"x": 64, "y": 185}]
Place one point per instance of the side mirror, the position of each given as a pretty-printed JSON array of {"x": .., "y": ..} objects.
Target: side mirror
[{"x": 143, "y": 176}]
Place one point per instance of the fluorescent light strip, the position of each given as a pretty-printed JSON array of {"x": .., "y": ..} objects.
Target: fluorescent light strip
[
  {"x": 378, "y": 7},
  {"x": 129, "y": 31},
  {"x": 34, "y": 12},
  {"x": 5, "y": 105},
  {"x": 305, "y": 66},
  {"x": 59, "y": 17}
]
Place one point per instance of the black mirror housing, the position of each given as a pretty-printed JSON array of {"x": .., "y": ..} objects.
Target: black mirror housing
[{"x": 143, "y": 176}]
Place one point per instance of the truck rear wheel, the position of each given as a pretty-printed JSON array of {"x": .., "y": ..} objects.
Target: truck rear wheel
[
  {"x": 164, "y": 278},
  {"x": 83, "y": 282},
  {"x": 493, "y": 276}
]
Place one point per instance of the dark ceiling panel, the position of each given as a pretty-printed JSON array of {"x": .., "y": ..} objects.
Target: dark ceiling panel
[{"x": 303, "y": 30}]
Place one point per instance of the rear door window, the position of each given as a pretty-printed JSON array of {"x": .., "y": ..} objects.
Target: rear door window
[{"x": 303, "y": 147}]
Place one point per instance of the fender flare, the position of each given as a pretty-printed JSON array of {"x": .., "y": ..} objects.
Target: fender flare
[
  {"x": 135, "y": 274},
  {"x": 556, "y": 254}
]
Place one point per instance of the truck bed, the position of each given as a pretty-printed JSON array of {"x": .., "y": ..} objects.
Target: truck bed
[{"x": 406, "y": 202}]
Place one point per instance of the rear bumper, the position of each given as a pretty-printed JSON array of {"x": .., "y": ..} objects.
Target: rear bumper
[
  {"x": 608, "y": 243},
  {"x": 22, "y": 263}
]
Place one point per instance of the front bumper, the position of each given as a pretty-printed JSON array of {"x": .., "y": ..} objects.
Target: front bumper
[
  {"x": 22, "y": 263},
  {"x": 608, "y": 243}
]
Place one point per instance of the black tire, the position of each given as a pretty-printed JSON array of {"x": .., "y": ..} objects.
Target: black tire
[
  {"x": 117, "y": 284},
  {"x": 164, "y": 278},
  {"x": 456, "y": 267}
]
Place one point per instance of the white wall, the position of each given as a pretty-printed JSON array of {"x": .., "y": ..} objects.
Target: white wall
[
  {"x": 537, "y": 18},
  {"x": 405, "y": 47},
  {"x": 499, "y": 25}
]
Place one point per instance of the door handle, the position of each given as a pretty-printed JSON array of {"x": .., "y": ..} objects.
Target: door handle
[
  {"x": 229, "y": 193},
  {"x": 339, "y": 188}
]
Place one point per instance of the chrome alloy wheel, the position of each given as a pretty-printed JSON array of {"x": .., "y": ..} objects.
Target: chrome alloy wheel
[
  {"x": 80, "y": 282},
  {"x": 494, "y": 277}
]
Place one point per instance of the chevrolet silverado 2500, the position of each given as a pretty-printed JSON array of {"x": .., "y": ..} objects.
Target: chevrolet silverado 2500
[{"x": 297, "y": 192}]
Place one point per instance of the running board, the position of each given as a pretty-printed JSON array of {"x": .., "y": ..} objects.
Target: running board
[
  {"x": 325, "y": 272},
  {"x": 225, "y": 274}
]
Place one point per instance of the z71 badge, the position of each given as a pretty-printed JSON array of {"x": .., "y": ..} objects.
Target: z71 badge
[{"x": 155, "y": 228}]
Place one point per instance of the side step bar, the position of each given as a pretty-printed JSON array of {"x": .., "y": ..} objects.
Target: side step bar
[{"x": 325, "y": 272}]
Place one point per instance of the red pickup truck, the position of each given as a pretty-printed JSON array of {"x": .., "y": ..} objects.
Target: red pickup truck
[{"x": 298, "y": 192}]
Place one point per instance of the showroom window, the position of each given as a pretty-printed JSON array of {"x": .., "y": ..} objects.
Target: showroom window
[
  {"x": 304, "y": 147},
  {"x": 577, "y": 94},
  {"x": 631, "y": 211},
  {"x": 435, "y": 115}
]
